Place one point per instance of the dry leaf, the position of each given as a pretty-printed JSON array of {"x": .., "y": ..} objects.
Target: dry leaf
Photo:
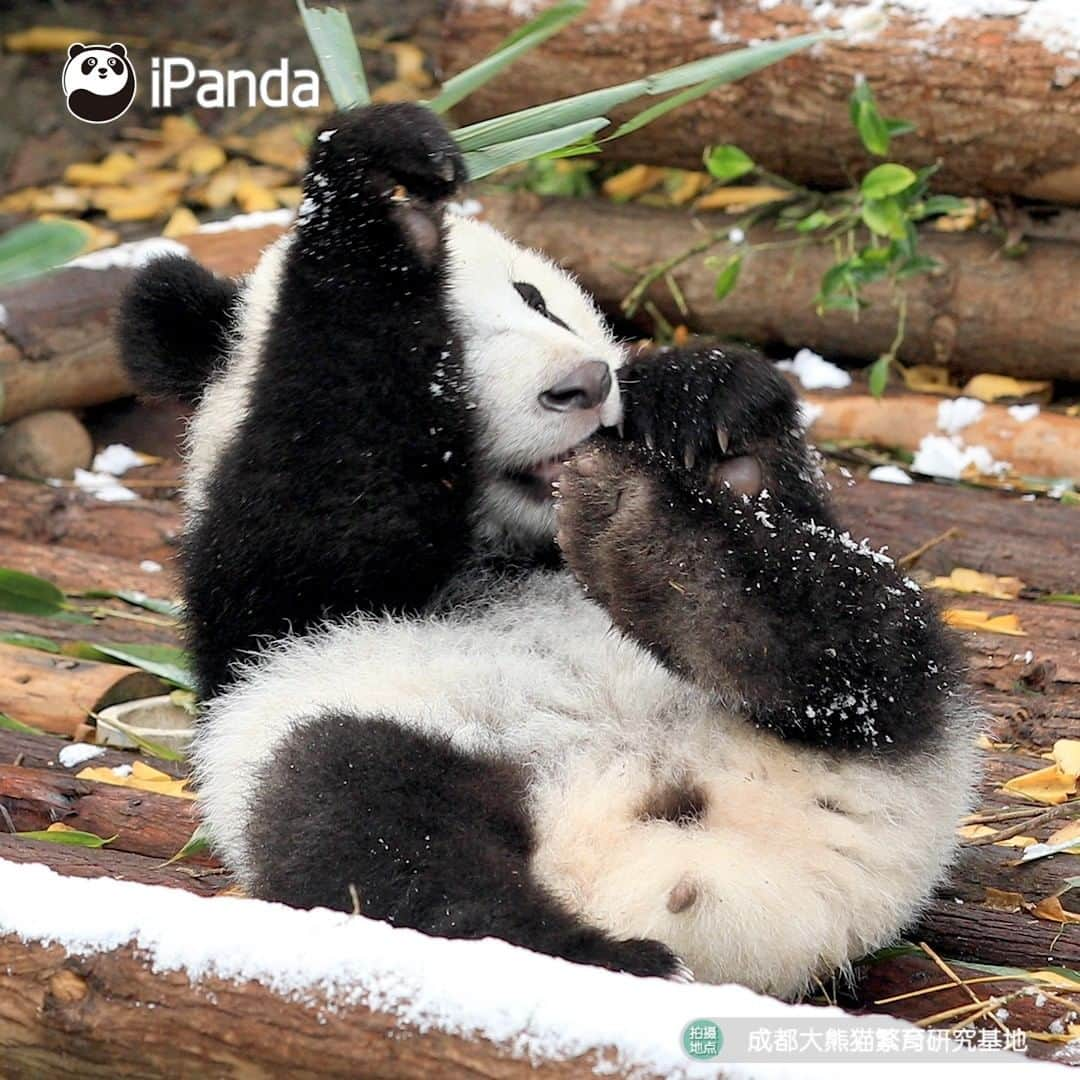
[
  {"x": 929, "y": 379},
  {"x": 182, "y": 223},
  {"x": 633, "y": 182},
  {"x": 984, "y": 742},
  {"x": 112, "y": 170},
  {"x": 973, "y": 832},
  {"x": 137, "y": 204},
  {"x": 687, "y": 186},
  {"x": 95, "y": 237},
  {"x": 969, "y": 619},
  {"x": 42, "y": 39},
  {"x": 177, "y": 131},
  {"x": 1056, "y": 978},
  {"x": 220, "y": 189},
  {"x": 61, "y": 199},
  {"x": 1067, "y": 756},
  {"x": 740, "y": 198},
  {"x": 1050, "y": 785},
  {"x": 1066, "y": 832},
  {"x": 290, "y": 195},
  {"x": 251, "y": 197},
  {"x": 201, "y": 157},
  {"x": 409, "y": 63},
  {"x": 141, "y": 778},
  {"x": 999, "y": 900},
  {"x": 1051, "y": 909},
  {"x": 999, "y": 387},
  {"x": 279, "y": 145},
  {"x": 964, "y": 580}
]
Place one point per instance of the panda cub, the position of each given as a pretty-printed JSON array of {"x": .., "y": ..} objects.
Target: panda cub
[{"x": 704, "y": 731}]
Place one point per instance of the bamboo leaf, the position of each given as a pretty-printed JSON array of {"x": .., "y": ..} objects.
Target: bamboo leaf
[
  {"x": 727, "y": 279},
  {"x": 332, "y": 39},
  {"x": 71, "y": 837},
  {"x": 523, "y": 40},
  {"x": 878, "y": 377},
  {"x": 164, "y": 661},
  {"x": 29, "y": 595},
  {"x": 482, "y": 162},
  {"x": 197, "y": 843},
  {"x": 30, "y": 641},
  {"x": 33, "y": 248},
  {"x": 9, "y": 723}
]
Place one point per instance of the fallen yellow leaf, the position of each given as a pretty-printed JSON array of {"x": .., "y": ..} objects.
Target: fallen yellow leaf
[
  {"x": 1067, "y": 756},
  {"x": 969, "y": 619},
  {"x": 995, "y": 387},
  {"x": 1050, "y": 785},
  {"x": 964, "y": 580},
  {"x": 254, "y": 197},
  {"x": 279, "y": 145},
  {"x": 140, "y": 204},
  {"x": 1066, "y": 832},
  {"x": 740, "y": 198},
  {"x": 61, "y": 199},
  {"x": 111, "y": 170},
  {"x": 1056, "y": 978},
  {"x": 633, "y": 182},
  {"x": 1051, "y": 909},
  {"x": 178, "y": 130},
  {"x": 289, "y": 195},
  {"x": 182, "y": 223},
  {"x": 929, "y": 379},
  {"x": 41, "y": 39},
  {"x": 141, "y": 778},
  {"x": 999, "y": 900},
  {"x": 94, "y": 237},
  {"x": 409, "y": 61},
  {"x": 201, "y": 157},
  {"x": 686, "y": 185}
]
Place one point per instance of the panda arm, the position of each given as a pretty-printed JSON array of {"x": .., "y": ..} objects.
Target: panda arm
[
  {"x": 753, "y": 594},
  {"x": 347, "y": 486}
]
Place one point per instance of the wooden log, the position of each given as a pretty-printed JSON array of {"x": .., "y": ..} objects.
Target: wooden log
[
  {"x": 57, "y": 344},
  {"x": 1048, "y": 445},
  {"x": 104, "y": 862},
  {"x": 983, "y": 313},
  {"x": 103, "y": 1015},
  {"x": 146, "y": 529},
  {"x": 143, "y": 822},
  {"x": 57, "y": 693},
  {"x": 994, "y": 101},
  {"x": 40, "y": 752}
]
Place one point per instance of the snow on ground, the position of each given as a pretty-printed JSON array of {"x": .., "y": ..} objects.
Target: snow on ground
[
  {"x": 137, "y": 253},
  {"x": 103, "y": 486},
  {"x": 955, "y": 414},
  {"x": 539, "y": 1007},
  {"x": 116, "y": 459},
  {"x": 257, "y": 219},
  {"x": 948, "y": 457},
  {"x": 890, "y": 474},
  {"x": 76, "y": 753},
  {"x": 1023, "y": 413},
  {"x": 815, "y": 372}
]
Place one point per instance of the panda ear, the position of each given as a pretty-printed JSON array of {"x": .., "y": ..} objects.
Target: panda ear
[
  {"x": 118, "y": 48},
  {"x": 75, "y": 48}
]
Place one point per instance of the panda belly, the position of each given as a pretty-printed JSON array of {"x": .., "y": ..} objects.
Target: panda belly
[{"x": 656, "y": 812}]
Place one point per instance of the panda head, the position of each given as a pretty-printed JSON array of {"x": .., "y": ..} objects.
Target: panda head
[
  {"x": 99, "y": 82},
  {"x": 540, "y": 363}
]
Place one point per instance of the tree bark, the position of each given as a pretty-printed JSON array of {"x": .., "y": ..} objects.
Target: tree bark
[
  {"x": 56, "y": 693},
  {"x": 997, "y": 105},
  {"x": 982, "y": 313}
]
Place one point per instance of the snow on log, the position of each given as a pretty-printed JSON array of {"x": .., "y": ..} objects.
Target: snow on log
[
  {"x": 153, "y": 981},
  {"x": 993, "y": 87}
]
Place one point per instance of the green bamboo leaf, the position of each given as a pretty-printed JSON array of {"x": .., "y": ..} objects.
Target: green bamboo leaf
[
  {"x": 197, "y": 843},
  {"x": 878, "y": 376},
  {"x": 523, "y": 40},
  {"x": 71, "y": 837},
  {"x": 33, "y": 248},
  {"x": 136, "y": 599},
  {"x": 482, "y": 162},
  {"x": 332, "y": 39},
  {"x": 885, "y": 180},
  {"x": 727, "y": 163},
  {"x": 29, "y": 595},
  {"x": 31, "y": 641},
  {"x": 164, "y": 661},
  {"x": 9, "y": 723},
  {"x": 728, "y": 278}
]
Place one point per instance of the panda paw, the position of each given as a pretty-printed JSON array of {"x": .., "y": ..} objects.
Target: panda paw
[
  {"x": 399, "y": 146},
  {"x": 643, "y": 957},
  {"x": 702, "y": 408}
]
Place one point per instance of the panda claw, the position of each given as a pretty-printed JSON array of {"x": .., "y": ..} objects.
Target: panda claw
[
  {"x": 682, "y": 972},
  {"x": 689, "y": 457},
  {"x": 722, "y": 438}
]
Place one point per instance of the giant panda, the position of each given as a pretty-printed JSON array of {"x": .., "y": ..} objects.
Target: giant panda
[{"x": 668, "y": 719}]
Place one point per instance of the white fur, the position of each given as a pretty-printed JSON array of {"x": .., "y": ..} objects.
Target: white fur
[{"x": 785, "y": 887}]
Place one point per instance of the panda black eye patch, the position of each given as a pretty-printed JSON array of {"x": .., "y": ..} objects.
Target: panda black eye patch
[
  {"x": 88, "y": 65},
  {"x": 534, "y": 298}
]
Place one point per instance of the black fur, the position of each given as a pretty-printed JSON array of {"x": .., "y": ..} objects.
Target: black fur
[
  {"x": 428, "y": 838},
  {"x": 173, "y": 327},
  {"x": 358, "y": 424},
  {"x": 759, "y": 599}
]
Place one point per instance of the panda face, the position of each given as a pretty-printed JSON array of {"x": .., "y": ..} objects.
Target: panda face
[
  {"x": 99, "y": 82},
  {"x": 528, "y": 329}
]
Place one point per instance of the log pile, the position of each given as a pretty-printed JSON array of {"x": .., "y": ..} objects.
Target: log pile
[{"x": 995, "y": 100}]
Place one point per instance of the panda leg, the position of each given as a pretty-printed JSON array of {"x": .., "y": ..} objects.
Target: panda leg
[
  {"x": 352, "y": 810},
  {"x": 782, "y": 616}
]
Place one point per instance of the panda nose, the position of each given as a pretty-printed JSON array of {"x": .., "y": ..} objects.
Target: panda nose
[{"x": 584, "y": 388}]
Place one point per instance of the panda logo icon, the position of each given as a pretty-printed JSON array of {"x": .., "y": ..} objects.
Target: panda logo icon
[{"x": 99, "y": 82}]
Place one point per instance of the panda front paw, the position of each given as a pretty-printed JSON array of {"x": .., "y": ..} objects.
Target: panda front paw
[
  {"x": 643, "y": 957},
  {"x": 403, "y": 147},
  {"x": 720, "y": 412}
]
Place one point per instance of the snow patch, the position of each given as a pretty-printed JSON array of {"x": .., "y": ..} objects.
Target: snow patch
[
  {"x": 890, "y": 474},
  {"x": 808, "y": 414},
  {"x": 948, "y": 457},
  {"x": 815, "y": 372},
  {"x": 133, "y": 255},
  {"x": 76, "y": 753},
  {"x": 103, "y": 486},
  {"x": 149, "y": 566},
  {"x": 257, "y": 219},
  {"x": 116, "y": 459},
  {"x": 955, "y": 414},
  {"x": 466, "y": 208},
  {"x": 1023, "y": 413}
]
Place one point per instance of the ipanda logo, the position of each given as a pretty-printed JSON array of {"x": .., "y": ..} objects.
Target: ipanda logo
[{"x": 99, "y": 84}]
